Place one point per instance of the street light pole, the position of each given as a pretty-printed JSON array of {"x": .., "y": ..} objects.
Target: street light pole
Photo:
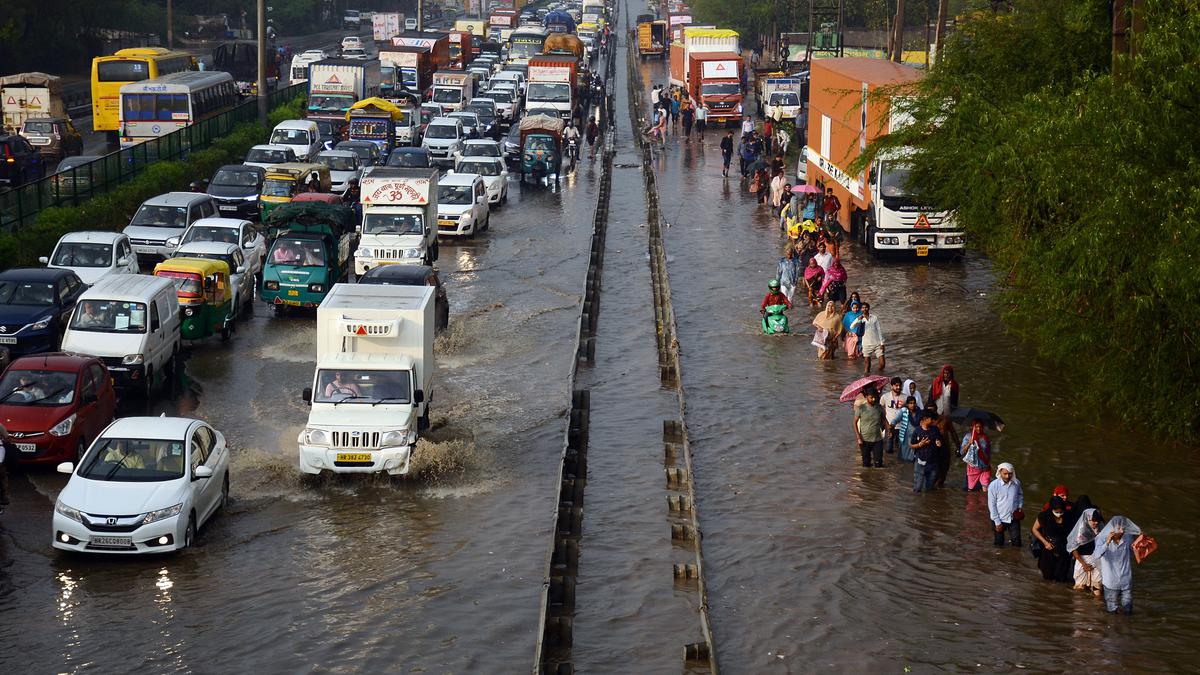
[
  {"x": 420, "y": 15},
  {"x": 262, "y": 62},
  {"x": 170, "y": 25}
]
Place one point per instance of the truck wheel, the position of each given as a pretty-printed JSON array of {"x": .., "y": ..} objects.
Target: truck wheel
[
  {"x": 423, "y": 421},
  {"x": 871, "y": 231}
]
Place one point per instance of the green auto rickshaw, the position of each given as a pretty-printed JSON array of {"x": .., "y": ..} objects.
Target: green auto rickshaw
[{"x": 205, "y": 296}]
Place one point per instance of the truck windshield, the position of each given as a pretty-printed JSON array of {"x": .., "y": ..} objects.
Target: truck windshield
[
  {"x": 319, "y": 102},
  {"x": 298, "y": 252},
  {"x": 447, "y": 95},
  {"x": 785, "y": 98},
  {"x": 393, "y": 223},
  {"x": 893, "y": 182},
  {"x": 110, "y": 316},
  {"x": 720, "y": 89},
  {"x": 363, "y": 386},
  {"x": 525, "y": 50},
  {"x": 546, "y": 92}
]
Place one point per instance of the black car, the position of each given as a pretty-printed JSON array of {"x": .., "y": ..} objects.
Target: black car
[
  {"x": 368, "y": 153},
  {"x": 413, "y": 275},
  {"x": 235, "y": 189},
  {"x": 511, "y": 145},
  {"x": 20, "y": 163},
  {"x": 35, "y": 305},
  {"x": 490, "y": 125},
  {"x": 411, "y": 158}
]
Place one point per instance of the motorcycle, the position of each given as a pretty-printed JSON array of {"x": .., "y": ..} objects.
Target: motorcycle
[
  {"x": 774, "y": 321},
  {"x": 573, "y": 149}
]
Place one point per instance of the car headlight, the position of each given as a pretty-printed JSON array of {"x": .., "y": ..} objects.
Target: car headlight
[
  {"x": 316, "y": 437},
  {"x": 464, "y": 218},
  {"x": 412, "y": 253},
  {"x": 271, "y": 285},
  {"x": 64, "y": 427},
  {"x": 169, "y": 512},
  {"x": 401, "y": 437},
  {"x": 69, "y": 512},
  {"x": 172, "y": 242},
  {"x": 363, "y": 253},
  {"x": 39, "y": 325},
  {"x": 132, "y": 359}
]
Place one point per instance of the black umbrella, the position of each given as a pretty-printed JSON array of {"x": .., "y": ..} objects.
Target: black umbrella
[{"x": 967, "y": 415}]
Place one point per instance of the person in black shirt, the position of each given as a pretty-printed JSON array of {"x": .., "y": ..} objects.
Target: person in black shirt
[
  {"x": 926, "y": 445},
  {"x": 726, "y": 152}
]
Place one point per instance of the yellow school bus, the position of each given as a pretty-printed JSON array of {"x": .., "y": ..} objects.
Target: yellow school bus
[{"x": 109, "y": 73}]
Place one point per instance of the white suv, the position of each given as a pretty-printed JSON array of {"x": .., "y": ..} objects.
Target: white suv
[
  {"x": 444, "y": 139},
  {"x": 462, "y": 205}
]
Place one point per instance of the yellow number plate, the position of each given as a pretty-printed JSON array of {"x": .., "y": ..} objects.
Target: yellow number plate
[
  {"x": 292, "y": 303},
  {"x": 354, "y": 457},
  {"x": 293, "y": 292},
  {"x": 922, "y": 251}
]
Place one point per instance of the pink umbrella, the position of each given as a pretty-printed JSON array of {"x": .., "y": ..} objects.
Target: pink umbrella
[
  {"x": 806, "y": 189},
  {"x": 855, "y": 388}
]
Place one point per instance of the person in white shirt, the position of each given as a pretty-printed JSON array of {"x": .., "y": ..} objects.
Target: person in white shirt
[
  {"x": 701, "y": 119},
  {"x": 872, "y": 338},
  {"x": 892, "y": 401},
  {"x": 1005, "y": 503},
  {"x": 823, "y": 257},
  {"x": 747, "y": 125}
]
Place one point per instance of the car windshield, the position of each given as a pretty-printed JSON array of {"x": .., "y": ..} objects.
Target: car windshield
[
  {"x": 720, "y": 89},
  {"x": 109, "y": 316},
  {"x": 427, "y": 114},
  {"x": 289, "y": 137},
  {"x": 363, "y": 386},
  {"x": 224, "y": 235},
  {"x": 37, "y": 293},
  {"x": 160, "y": 216},
  {"x": 82, "y": 254},
  {"x": 446, "y": 95},
  {"x": 134, "y": 460},
  {"x": 441, "y": 131},
  {"x": 501, "y": 96},
  {"x": 454, "y": 194},
  {"x": 481, "y": 150},
  {"x": 236, "y": 178},
  {"x": 484, "y": 114},
  {"x": 278, "y": 187},
  {"x": 298, "y": 252},
  {"x": 363, "y": 151},
  {"x": 336, "y": 163},
  {"x": 468, "y": 120},
  {"x": 785, "y": 98},
  {"x": 416, "y": 160},
  {"x": 546, "y": 92},
  {"x": 481, "y": 168},
  {"x": 265, "y": 156},
  {"x": 37, "y": 387},
  {"x": 39, "y": 127},
  {"x": 393, "y": 223}
]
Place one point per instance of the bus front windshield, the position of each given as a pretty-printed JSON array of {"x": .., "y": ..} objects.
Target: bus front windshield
[{"x": 525, "y": 48}]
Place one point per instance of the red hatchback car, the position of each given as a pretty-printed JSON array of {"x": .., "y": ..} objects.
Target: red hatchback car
[{"x": 54, "y": 405}]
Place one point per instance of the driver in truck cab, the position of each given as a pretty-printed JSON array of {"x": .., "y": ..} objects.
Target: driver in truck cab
[{"x": 338, "y": 387}]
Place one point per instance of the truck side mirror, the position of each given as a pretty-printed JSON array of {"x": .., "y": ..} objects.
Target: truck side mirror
[
  {"x": 306, "y": 395},
  {"x": 419, "y": 396},
  {"x": 872, "y": 175}
]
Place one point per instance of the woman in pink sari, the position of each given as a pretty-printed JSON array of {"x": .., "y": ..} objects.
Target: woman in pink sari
[
  {"x": 813, "y": 277},
  {"x": 834, "y": 287}
]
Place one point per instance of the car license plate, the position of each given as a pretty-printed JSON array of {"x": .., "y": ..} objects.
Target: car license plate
[
  {"x": 144, "y": 249},
  {"x": 445, "y": 223},
  {"x": 294, "y": 292},
  {"x": 26, "y": 447},
  {"x": 922, "y": 251},
  {"x": 123, "y": 542},
  {"x": 227, "y": 208},
  {"x": 8, "y": 340},
  {"x": 361, "y": 457}
]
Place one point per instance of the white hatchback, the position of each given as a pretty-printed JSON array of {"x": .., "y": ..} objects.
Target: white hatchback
[
  {"x": 93, "y": 255},
  {"x": 146, "y": 485}
]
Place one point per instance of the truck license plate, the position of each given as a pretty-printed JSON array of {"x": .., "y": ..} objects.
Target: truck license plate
[
  {"x": 296, "y": 293},
  {"x": 26, "y": 447},
  {"x": 922, "y": 251},
  {"x": 360, "y": 457}
]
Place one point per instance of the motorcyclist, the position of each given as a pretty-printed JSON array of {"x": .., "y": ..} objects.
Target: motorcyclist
[
  {"x": 774, "y": 297},
  {"x": 571, "y": 134}
]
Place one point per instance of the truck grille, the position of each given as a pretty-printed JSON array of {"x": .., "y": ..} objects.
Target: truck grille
[
  {"x": 389, "y": 254},
  {"x": 354, "y": 440}
]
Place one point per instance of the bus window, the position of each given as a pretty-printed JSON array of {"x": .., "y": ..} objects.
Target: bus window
[
  {"x": 172, "y": 107},
  {"x": 139, "y": 107},
  {"x": 122, "y": 71}
]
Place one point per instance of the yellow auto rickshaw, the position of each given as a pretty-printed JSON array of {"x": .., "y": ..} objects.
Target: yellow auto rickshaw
[
  {"x": 205, "y": 296},
  {"x": 285, "y": 181}
]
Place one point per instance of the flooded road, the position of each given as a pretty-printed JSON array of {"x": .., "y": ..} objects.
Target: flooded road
[
  {"x": 814, "y": 562},
  {"x": 440, "y": 571}
]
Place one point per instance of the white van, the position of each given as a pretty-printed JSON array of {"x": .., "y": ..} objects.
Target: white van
[
  {"x": 302, "y": 136},
  {"x": 131, "y": 322}
]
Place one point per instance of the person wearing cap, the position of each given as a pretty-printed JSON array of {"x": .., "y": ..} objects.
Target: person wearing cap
[
  {"x": 1005, "y": 503},
  {"x": 774, "y": 297}
]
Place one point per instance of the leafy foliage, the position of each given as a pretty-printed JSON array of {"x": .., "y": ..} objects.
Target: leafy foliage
[{"x": 1081, "y": 187}]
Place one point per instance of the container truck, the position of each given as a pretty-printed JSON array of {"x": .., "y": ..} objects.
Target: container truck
[
  {"x": 410, "y": 69},
  {"x": 335, "y": 84},
  {"x": 373, "y": 382},
  {"x": 501, "y": 24},
  {"x": 552, "y": 83},
  {"x": 29, "y": 95},
  {"x": 386, "y": 24},
  {"x": 677, "y": 21},
  {"x": 883, "y": 215},
  {"x": 653, "y": 38},
  {"x": 452, "y": 89},
  {"x": 399, "y": 224},
  {"x": 438, "y": 45}
]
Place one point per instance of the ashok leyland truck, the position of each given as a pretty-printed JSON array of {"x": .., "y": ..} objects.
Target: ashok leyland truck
[
  {"x": 399, "y": 222},
  {"x": 883, "y": 215},
  {"x": 373, "y": 383}
]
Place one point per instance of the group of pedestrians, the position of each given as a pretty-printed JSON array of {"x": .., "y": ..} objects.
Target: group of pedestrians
[{"x": 673, "y": 106}]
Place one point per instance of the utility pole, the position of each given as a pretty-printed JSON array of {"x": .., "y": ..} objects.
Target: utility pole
[
  {"x": 170, "y": 25},
  {"x": 940, "y": 32},
  {"x": 420, "y": 15},
  {"x": 898, "y": 41},
  {"x": 262, "y": 62}
]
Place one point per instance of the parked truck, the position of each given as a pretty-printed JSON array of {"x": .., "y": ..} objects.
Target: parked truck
[
  {"x": 386, "y": 24},
  {"x": 882, "y": 213},
  {"x": 553, "y": 83},
  {"x": 373, "y": 382},
  {"x": 653, "y": 38},
  {"x": 27, "y": 95},
  {"x": 709, "y": 75},
  {"x": 780, "y": 96},
  {"x": 399, "y": 224},
  {"x": 335, "y": 84},
  {"x": 452, "y": 89}
]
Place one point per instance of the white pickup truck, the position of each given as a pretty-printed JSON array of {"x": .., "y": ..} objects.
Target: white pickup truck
[{"x": 400, "y": 211}]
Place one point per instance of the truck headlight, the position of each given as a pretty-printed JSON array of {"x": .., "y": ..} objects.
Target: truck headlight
[
  {"x": 316, "y": 437},
  {"x": 64, "y": 427},
  {"x": 889, "y": 241},
  {"x": 316, "y": 288},
  {"x": 363, "y": 253},
  {"x": 169, "y": 512},
  {"x": 271, "y": 285},
  {"x": 412, "y": 253},
  {"x": 69, "y": 512},
  {"x": 394, "y": 438},
  {"x": 953, "y": 239},
  {"x": 132, "y": 359}
]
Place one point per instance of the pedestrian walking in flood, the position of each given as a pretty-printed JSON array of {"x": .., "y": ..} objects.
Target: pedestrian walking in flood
[
  {"x": 834, "y": 287},
  {"x": 726, "y": 152},
  {"x": 946, "y": 427},
  {"x": 907, "y": 422},
  {"x": 1051, "y": 529},
  {"x": 832, "y": 206},
  {"x": 926, "y": 444},
  {"x": 943, "y": 393},
  {"x": 1005, "y": 503},
  {"x": 829, "y": 331},
  {"x": 688, "y": 115},
  {"x": 871, "y": 339},
  {"x": 789, "y": 272},
  {"x": 1081, "y": 544},
  {"x": 701, "y": 119},
  {"x": 892, "y": 401},
  {"x": 814, "y": 277},
  {"x": 593, "y": 133},
  {"x": 852, "y": 329},
  {"x": 778, "y": 181},
  {"x": 976, "y": 453},
  {"x": 747, "y": 126},
  {"x": 1114, "y": 551},
  {"x": 823, "y": 256},
  {"x": 870, "y": 428},
  {"x": 768, "y": 134}
]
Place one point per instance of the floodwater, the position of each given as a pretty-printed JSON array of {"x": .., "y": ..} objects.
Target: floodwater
[
  {"x": 814, "y": 562},
  {"x": 441, "y": 571}
]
